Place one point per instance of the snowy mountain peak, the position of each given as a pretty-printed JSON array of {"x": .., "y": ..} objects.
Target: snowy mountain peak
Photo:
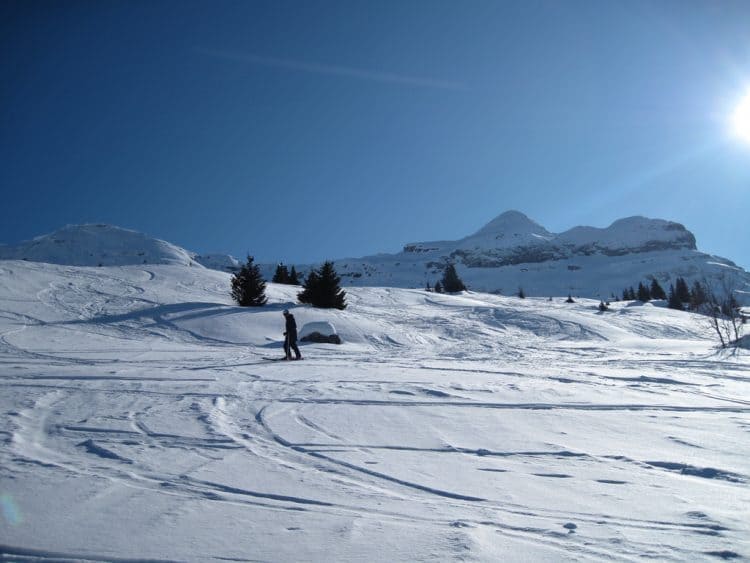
[
  {"x": 97, "y": 245},
  {"x": 631, "y": 234},
  {"x": 511, "y": 223}
]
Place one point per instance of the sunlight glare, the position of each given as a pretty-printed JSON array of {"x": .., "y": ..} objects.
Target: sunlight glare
[{"x": 741, "y": 119}]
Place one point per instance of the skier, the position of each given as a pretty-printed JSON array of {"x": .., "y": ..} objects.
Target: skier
[{"x": 290, "y": 340}]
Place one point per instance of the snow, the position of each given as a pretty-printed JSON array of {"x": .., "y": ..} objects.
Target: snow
[
  {"x": 321, "y": 327},
  {"x": 222, "y": 262},
  {"x": 510, "y": 252},
  {"x": 141, "y": 421},
  {"x": 97, "y": 245},
  {"x": 513, "y": 251},
  {"x": 630, "y": 232}
]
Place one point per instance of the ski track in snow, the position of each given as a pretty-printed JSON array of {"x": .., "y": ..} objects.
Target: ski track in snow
[{"x": 478, "y": 428}]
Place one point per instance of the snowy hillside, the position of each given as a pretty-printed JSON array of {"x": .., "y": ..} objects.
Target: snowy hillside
[
  {"x": 97, "y": 245},
  {"x": 142, "y": 419},
  {"x": 512, "y": 251},
  {"x": 221, "y": 262}
]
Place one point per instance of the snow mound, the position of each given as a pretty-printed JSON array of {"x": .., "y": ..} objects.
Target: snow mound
[
  {"x": 97, "y": 245},
  {"x": 325, "y": 328}
]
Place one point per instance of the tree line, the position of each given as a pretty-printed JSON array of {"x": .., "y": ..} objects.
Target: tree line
[
  {"x": 321, "y": 288},
  {"x": 680, "y": 295},
  {"x": 719, "y": 306}
]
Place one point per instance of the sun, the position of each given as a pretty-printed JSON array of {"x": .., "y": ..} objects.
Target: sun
[{"x": 741, "y": 119}]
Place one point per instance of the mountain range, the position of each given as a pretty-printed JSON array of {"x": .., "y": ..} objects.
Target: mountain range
[{"x": 509, "y": 253}]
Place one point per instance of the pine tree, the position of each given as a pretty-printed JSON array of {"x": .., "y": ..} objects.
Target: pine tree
[
  {"x": 281, "y": 275},
  {"x": 521, "y": 294},
  {"x": 570, "y": 299},
  {"x": 674, "y": 301},
  {"x": 682, "y": 291},
  {"x": 248, "y": 286},
  {"x": 451, "y": 282},
  {"x": 293, "y": 277},
  {"x": 603, "y": 306},
  {"x": 657, "y": 292},
  {"x": 322, "y": 289},
  {"x": 438, "y": 287},
  {"x": 311, "y": 288},
  {"x": 643, "y": 294},
  {"x": 698, "y": 296},
  {"x": 332, "y": 296}
]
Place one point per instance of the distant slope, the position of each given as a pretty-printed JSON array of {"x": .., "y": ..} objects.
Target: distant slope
[{"x": 98, "y": 245}]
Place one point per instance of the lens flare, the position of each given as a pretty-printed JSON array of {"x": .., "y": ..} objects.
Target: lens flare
[{"x": 10, "y": 510}]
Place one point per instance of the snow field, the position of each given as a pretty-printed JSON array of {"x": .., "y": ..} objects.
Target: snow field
[{"x": 141, "y": 420}]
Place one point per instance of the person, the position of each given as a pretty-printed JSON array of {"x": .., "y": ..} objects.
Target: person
[{"x": 290, "y": 340}]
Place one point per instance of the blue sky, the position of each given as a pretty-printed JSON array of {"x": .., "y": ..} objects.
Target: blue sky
[{"x": 300, "y": 131}]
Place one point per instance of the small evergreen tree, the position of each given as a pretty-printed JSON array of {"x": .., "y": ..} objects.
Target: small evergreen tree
[
  {"x": 311, "y": 288},
  {"x": 281, "y": 275},
  {"x": 698, "y": 296},
  {"x": 674, "y": 301},
  {"x": 681, "y": 290},
  {"x": 332, "y": 296},
  {"x": 521, "y": 294},
  {"x": 643, "y": 294},
  {"x": 451, "y": 282},
  {"x": 570, "y": 299},
  {"x": 427, "y": 286},
  {"x": 438, "y": 287},
  {"x": 657, "y": 292},
  {"x": 603, "y": 306},
  {"x": 293, "y": 277},
  {"x": 248, "y": 286},
  {"x": 322, "y": 289}
]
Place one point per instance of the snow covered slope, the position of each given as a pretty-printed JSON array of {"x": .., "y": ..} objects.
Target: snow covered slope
[
  {"x": 512, "y": 251},
  {"x": 97, "y": 245},
  {"x": 143, "y": 417},
  {"x": 221, "y": 262}
]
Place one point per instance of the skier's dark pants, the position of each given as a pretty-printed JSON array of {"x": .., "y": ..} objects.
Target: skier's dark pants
[{"x": 289, "y": 345}]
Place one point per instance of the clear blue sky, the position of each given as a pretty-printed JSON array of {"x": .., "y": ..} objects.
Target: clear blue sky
[{"x": 300, "y": 131}]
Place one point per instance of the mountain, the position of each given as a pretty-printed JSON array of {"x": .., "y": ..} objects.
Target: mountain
[
  {"x": 97, "y": 245},
  {"x": 513, "y": 251}
]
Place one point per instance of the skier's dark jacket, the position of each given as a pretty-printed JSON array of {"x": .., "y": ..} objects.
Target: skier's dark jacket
[{"x": 291, "y": 328}]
